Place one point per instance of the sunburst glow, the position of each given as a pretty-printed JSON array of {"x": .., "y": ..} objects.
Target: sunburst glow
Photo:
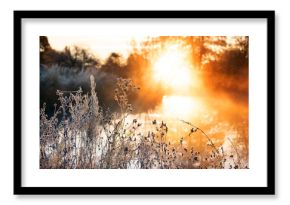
[{"x": 172, "y": 68}]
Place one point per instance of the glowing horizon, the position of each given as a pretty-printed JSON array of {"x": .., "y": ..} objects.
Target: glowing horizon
[{"x": 101, "y": 46}]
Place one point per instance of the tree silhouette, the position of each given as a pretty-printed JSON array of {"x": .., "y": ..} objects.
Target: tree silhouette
[{"x": 44, "y": 44}]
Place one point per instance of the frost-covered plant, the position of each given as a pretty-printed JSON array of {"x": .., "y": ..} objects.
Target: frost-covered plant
[{"x": 81, "y": 135}]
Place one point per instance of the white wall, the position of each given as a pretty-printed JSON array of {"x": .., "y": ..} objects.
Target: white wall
[{"x": 282, "y": 99}]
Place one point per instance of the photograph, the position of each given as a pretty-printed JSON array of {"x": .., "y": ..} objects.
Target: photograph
[{"x": 144, "y": 102}]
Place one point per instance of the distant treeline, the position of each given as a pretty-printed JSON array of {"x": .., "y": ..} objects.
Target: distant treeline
[{"x": 225, "y": 68}]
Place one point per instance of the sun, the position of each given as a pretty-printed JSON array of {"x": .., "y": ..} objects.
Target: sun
[{"x": 172, "y": 68}]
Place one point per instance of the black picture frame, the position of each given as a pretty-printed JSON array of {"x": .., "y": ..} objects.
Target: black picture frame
[{"x": 19, "y": 189}]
